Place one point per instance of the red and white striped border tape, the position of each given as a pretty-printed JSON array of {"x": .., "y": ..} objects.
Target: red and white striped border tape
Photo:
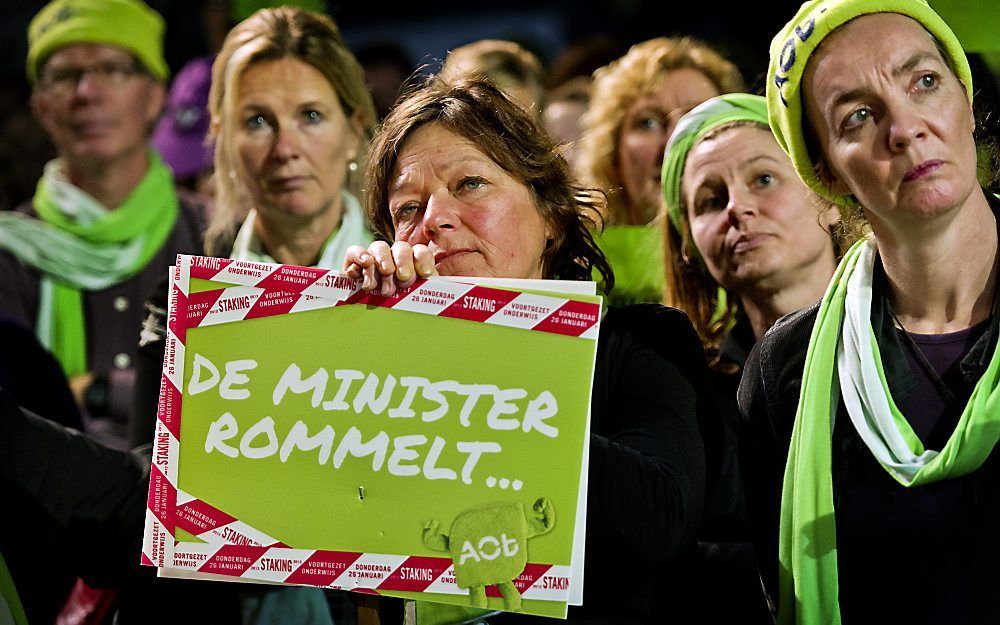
[
  {"x": 343, "y": 570},
  {"x": 266, "y": 290},
  {"x": 234, "y": 548}
]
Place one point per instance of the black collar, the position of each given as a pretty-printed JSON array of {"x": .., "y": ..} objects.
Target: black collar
[{"x": 738, "y": 342}]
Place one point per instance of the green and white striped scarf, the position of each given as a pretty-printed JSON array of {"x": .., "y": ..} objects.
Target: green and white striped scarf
[
  {"x": 78, "y": 244},
  {"x": 843, "y": 342}
]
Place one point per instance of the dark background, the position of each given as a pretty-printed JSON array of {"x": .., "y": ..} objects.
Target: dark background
[{"x": 740, "y": 30}]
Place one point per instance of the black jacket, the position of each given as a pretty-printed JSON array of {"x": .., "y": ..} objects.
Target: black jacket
[
  {"x": 112, "y": 316},
  {"x": 933, "y": 567}
]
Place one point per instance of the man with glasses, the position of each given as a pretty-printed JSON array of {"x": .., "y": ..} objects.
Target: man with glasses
[{"x": 106, "y": 221}]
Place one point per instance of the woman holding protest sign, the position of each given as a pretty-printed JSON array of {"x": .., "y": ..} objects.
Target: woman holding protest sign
[
  {"x": 464, "y": 182},
  {"x": 872, "y": 100}
]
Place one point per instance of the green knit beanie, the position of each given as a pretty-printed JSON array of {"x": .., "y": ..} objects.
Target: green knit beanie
[
  {"x": 790, "y": 52},
  {"x": 128, "y": 24},
  {"x": 707, "y": 116}
]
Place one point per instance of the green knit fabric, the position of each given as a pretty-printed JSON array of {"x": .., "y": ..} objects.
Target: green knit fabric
[
  {"x": 77, "y": 244},
  {"x": 637, "y": 257},
  {"x": 807, "y": 552},
  {"x": 128, "y": 24},
  {"x": 790, "y": 52}
]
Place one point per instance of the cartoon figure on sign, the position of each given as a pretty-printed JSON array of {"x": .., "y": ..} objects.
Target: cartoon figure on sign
[{"x": 488, "y": 545}]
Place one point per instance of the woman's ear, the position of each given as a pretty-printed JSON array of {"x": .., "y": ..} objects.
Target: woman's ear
[
  {"x": 829, "y": 179},
  {"x": 830, "y": 217},
  {"x": 357, "y": 136}
]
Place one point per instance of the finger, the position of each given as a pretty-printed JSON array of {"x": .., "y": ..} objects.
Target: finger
[
  {"x": 402, "y": 256},
  {"x": 355, "y": 259},
  {"x": 370, "y": 278},
  {"x": 383, "y": 257},
  {"x": 423, "y": 260},
  {"x": 388, "y": 285}
]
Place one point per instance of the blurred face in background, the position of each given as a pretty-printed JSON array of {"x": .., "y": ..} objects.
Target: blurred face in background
[
  {"x": 97, "y": 104},
  {"x": 562, "y": 120},
  {"x": 647, "y": 124}
]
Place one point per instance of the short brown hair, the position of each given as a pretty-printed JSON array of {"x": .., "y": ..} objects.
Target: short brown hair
[
  {"x": 273, "y": 34},
  {"x": 479, "y": 111},
  {"x": 627, "y": 79}
]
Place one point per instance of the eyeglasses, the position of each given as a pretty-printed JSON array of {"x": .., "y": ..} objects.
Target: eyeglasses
[{"x": 66, "y": 79}]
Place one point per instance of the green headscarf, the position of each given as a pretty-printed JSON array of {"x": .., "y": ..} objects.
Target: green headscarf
[{"x": 790, "y": 52}]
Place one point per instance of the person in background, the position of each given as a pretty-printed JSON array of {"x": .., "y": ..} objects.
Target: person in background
[
  {"x": 387, "y": 68},
  {"x": 508, "y": 65},
  {"x": 739, "y": 218},
  {"x": 291, "y": 118},
  {"x": 582, "y": 57},
  {"x": 106, "y": 220},
  {"x": 563, "y": 115},
  {"x": 871, "y": 418},
  {"x": 635, "y": 103},
  {"x": 181, "y": 135},
  {"x": 747, "y": 242},
  {"x": 463, "y": 182}
]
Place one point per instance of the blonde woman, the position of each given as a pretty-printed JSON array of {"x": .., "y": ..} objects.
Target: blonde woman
[
  {"x": 635, "y": 104},
  {"x": 291, "y": 118}
]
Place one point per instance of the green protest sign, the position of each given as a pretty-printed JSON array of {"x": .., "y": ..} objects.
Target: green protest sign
[{"x": 427, "y": 445}]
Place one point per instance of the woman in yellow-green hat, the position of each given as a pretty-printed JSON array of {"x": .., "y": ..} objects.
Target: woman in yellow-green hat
[{"x": 871, "y": 417}]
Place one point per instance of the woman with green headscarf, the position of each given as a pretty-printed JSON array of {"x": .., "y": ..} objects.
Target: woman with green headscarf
[
  {"x": 747, "y": 243},
  {"x": 871, "y": 417}
]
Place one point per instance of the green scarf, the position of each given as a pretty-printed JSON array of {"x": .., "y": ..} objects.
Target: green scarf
[
  {"x": 80, "y": 245},
  {"x": 807, "y": 542}
]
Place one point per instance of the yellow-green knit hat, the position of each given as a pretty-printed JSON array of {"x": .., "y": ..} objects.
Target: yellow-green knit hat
[
  {"x": 790, "y": 52},
  {"x": 128, "y": 24}
]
